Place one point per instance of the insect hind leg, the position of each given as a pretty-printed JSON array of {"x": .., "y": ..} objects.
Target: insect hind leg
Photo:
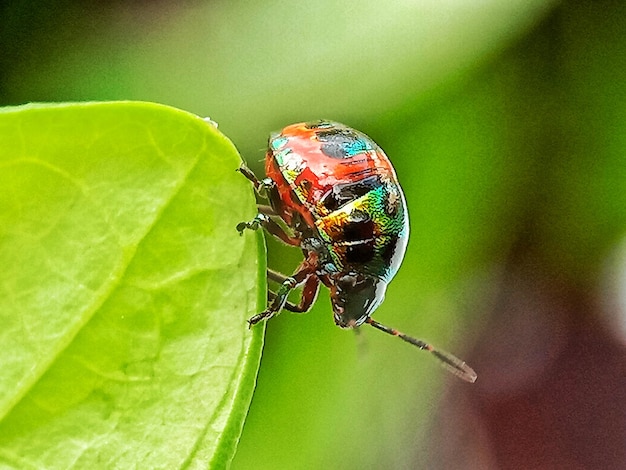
[{"x": 260, "y": 186}]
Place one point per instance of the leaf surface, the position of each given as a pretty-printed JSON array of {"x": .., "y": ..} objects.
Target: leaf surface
[{"x": 124, "y": 288}]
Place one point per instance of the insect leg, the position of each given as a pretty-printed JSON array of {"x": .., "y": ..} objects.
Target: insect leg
[
  {"x": 450, "y": 362},
  {"x": 261, "y": 186},
  {"x": 276, "y": 276},
  {"x": 265, "y": 221},
  {"x": 304, "y": 271},
  {"x": 309, "y": 292},
  {"x": 265, "y": 209}
]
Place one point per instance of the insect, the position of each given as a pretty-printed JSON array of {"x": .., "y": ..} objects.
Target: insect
[{"x": 338, "y": 195}]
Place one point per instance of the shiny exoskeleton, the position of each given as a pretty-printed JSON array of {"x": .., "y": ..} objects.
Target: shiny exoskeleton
[{"x": 337, "y": 192}]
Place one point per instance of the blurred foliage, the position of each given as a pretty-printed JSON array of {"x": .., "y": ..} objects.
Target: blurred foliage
[{"x": 504, "y": 120}]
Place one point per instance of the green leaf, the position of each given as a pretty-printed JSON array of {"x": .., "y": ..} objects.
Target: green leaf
[{"x": 124, "y": 289}]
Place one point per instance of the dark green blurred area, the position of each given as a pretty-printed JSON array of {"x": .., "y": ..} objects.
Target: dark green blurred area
[{"x": 506, "y": 122}]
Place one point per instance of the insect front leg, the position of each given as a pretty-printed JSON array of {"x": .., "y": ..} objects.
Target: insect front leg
[
  {"x": 302, "y": 274},
  {"x": 309, "y": 292}
]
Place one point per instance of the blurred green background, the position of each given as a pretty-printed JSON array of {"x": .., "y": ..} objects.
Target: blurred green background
[{"x": 506, "y": 123}]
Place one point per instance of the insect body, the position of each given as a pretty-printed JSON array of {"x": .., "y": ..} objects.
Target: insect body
[{"x": 338, "y": 193}]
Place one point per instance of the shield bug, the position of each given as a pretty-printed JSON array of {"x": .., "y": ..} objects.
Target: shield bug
[{"x": 337, "y": 193}]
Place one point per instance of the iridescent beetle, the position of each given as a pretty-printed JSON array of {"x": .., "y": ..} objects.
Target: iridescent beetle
[{"x": 336, "y": 191}]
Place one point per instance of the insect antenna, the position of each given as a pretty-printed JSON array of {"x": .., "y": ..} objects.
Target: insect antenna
[{"x": 450, "y": 362}]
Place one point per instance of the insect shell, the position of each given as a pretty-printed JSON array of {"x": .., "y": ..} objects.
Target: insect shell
[{"x": 338, "y": 193}]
